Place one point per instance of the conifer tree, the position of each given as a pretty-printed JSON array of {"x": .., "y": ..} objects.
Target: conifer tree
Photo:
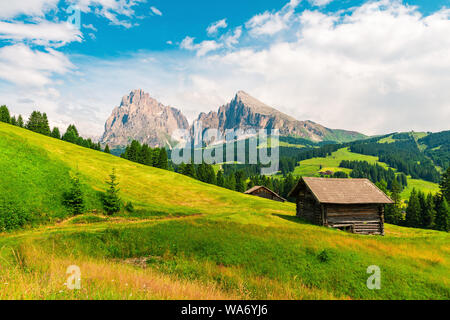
[
  {"x": 71, "y": 134},
  {"x": 20, "y": 122},
  {"x": 111, "y": 200},
  {"x": 240, "y": 181},
  {"x": 162, "y": 162},
  {"x": 423, "y": 208},
  {"x": 393, "y": 213},
  {"x": 107, "y": 149},
  {"x": 429, "y": 213},
  {"x": 33, "y": 121},
  {"x": 55, "y": 133},
  {"x": 44, "y": 127},
  {"x": 230, "y": 182},
  {"x": 74, "y": 198},
  {"x": 4, "y": 114},
  {"x": 445, "y": 185},
  {"x": 13, "y": 121},
  {"x": 220, "y": 180},
  {"x": 189, "y": 170},
  {"x": 442, "y": 215},
  {"x": 413, "y": 211}
]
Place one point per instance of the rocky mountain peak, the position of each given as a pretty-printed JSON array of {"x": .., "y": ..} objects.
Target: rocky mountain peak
[
  {"x": 141, "y": 117},
  {"x": 246, "y": 112}
]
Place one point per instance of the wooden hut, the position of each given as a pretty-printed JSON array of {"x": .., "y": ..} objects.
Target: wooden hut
[
  {"x": 264, "y": 192},
  {"x": 354, "y": 205}
]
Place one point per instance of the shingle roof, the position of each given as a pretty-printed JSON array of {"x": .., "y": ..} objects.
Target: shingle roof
[
  {"x": 251, "y": 190},
  {"x": 343, "y": 191}
]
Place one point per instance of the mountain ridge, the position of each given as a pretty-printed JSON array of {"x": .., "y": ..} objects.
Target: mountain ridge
[{"x": 141, "y": 117}]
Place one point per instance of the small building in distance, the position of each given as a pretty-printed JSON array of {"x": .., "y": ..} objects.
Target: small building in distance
[
  {"x": 326, "y": 173},
  {"x": 354, "y": 205},
  {"x": 263, "y": 192}
]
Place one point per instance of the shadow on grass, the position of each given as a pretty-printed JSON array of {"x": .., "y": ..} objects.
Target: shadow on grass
[{"x": 292, "y": 219}]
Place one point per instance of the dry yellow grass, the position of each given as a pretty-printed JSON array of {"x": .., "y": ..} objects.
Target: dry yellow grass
[{"x": 34, "y": 274}]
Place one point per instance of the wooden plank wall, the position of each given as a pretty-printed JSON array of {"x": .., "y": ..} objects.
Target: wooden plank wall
[
  {"x": 365, "y": 219},
  {"x": 308, "y": 208}
]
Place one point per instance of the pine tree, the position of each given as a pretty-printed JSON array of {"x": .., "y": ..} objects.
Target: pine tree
[
  {"x": 38, "y": 122},
  {"x": 382, "y": 185},
  {"x": 413, "y": 210},
  {"x": 240, "y": 181},
  {"x": 111, "y": 200},
  {"x": 74, "y": 198},
  {"x": 107, "y": 149},
  {"x": 20, "y": 122},
  {"x": 71, "y": 134},
  {"x": 13, "y": 121},
  {"x": 393, "y": 212},
  {"x": 4, "y": 114},
  {"x": 162, "y": 162},
  {"x": 428, "y": 214},
  {"x": 230, "y": 182},
  {"x": 423, "y": 209},
  {"x": 442, "y": 216},
  {"x": 220, "y": 180},
  {"x": 189, "y": 170},
  {"x": 145, "y": 155},
  {"x": 55, "y": 133},
  {"x": 44, "y": 127},
  {"x": 445, "y": 185}
]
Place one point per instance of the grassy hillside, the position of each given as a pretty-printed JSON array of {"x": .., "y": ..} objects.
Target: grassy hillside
[
  {"x": 190, "y": 240},
  {"x": 42, "y": 167}
]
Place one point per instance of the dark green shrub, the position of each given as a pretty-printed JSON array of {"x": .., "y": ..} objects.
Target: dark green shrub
[{"x": 12, "y": 216}]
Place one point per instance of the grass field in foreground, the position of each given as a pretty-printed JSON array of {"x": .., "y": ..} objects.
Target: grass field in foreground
[{"x": 204, "y": 242}]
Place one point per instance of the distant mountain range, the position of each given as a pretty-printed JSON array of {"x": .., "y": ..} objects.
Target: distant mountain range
[{"x": 140, "y": 117}]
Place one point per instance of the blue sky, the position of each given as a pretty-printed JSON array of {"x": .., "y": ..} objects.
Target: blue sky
[{"x": 373, "y": 66}]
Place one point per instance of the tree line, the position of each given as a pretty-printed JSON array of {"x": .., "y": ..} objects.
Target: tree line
[
  {"x": 38, "y": 122},
  {"x": 403, "y": 155},
  {"x": 422, "y": 210},
  {"x": 375, "y": 173},
  {"x": 143, "y": 154}
]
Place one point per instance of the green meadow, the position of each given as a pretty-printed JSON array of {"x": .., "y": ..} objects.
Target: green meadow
[
  {"x": 187, "y": 239},
  {"x": 312, "y": 167}
]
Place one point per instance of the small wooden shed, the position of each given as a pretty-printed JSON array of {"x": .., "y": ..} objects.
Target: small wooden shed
[
  {"x": 354, "y": 205},
  {"x": 263, "y": 192}
]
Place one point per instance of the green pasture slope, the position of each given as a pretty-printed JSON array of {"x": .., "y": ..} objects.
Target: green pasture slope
[
  {"x": 188, "y": 239},
  {"x": 312, "y": 167}
]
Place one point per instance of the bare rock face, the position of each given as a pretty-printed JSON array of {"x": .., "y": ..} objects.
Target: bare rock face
[
  {"x": 142, "y": 118},
  {"x": 245, "y": 112}
]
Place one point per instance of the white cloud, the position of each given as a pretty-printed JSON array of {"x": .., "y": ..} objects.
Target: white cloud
[
  {"x": 156, "y": 11},
  {"x": 118, "y": 12},
  {"x": 12, "y": 9},
  {"x": 232, "y": 38},
  {"x": 269, "y": 23},
  {"x": 31, "y": 68},
  {"x": 90, "y": 26},
  {"x": 320, "y": 3},
  {"x": 42, "y": 33},
  {"x": 201, "y": 48},
  {"x": 214, "y": 27}
]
